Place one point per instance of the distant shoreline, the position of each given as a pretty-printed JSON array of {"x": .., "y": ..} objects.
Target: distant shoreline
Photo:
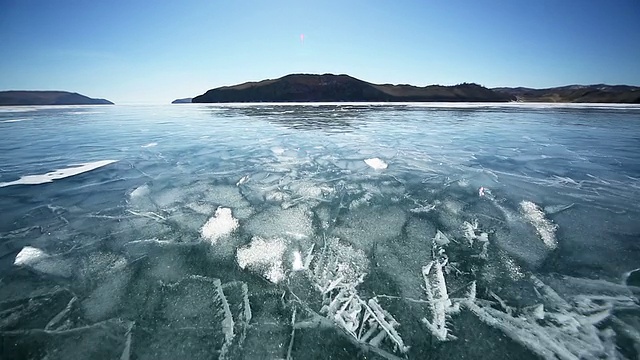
[
  {"x": 344, "y": 88},
  {"x": 36, "y": 97}
]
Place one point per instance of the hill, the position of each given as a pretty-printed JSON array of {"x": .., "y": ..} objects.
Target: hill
[
  {"x": 599, "y": 93},
  {"x": 182, "y": 101},
  {"x": 339, "y": 88},
  {"x": 8, "y": 98}
]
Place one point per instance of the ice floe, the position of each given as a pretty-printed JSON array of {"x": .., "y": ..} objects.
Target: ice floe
[{"x": 58, "y": 174}]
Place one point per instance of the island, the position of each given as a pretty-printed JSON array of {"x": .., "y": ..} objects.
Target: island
[
  {"x": 599, "y": 93},
  {"x": 13, "y": 98},
  {"x": 344, "y": 88}
]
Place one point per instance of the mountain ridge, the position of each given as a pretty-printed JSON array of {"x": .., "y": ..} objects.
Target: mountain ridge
[{"x": 337, "y": 88}]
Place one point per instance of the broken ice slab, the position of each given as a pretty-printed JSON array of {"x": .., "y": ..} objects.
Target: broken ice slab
[
  {"x": 193, "y": 315},
  {"x": 34, "y": 312},
  {"x": 294, "y": 222},
  {"x": 103, "y": 340},
  {"x": 365, "y": 226}
]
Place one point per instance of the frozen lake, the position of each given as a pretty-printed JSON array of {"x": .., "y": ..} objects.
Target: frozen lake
[{"x": 418, "y": 231}]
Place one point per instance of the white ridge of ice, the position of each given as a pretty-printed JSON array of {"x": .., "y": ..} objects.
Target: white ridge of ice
[
  {"x": 440, "y": 239},
  {"x": 264, "y": 256},
  {"x": 545, "y": 228},
  {"x": 58, "y": 174},
  {"x": 297, "y": 264},
  {"x": 376, "y": 163},
  {"x": 242, "y": 180},
  {"x": 440, "y": 305},
  {"x": 29, "y": 255},
  {"x": 15, "y": 120},
  {"x": 140, "y": 191},
  {"x": 221, "y": 224}
]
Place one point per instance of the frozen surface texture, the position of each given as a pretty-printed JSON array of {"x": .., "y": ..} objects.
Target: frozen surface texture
[{"x": 320, "y": 231}]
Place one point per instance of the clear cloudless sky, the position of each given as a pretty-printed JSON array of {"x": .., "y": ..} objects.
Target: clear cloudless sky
[{"x": 132, "y": 51}]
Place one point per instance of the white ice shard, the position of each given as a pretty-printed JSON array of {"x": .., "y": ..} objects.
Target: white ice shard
[
  {"x": 264, "y": 256},
  {"x": 29, "y": 255},
  {"x": 545, "y": 228},
  {"x": 440, "y": 239},
  {"x": 297, "y": 264},
  {"x": 376, "y": 163},
  {"x": 339, "y": 265},
  {"x": 440, "y": 306},
  {"x": 556, "y": 329},
  {"x": 554, "y": 209},
  {"x": 140, "y": 191},
  {"x": 58, "y": 174},
  {"x": 221, "y": 224},
  {"x": 242, "y": 180},
  {"x": 38, "y": 260}
]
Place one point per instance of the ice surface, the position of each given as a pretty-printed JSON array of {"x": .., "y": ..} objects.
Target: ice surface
[
  {"x": 221, "y": 224},
  {"x": 163, "y": 257},
  {"x": 294, "y": 222},
  {"x": 58, "y": 174},
  {"x": 376, "y": 163},
  {"x": 365, "y": 226}
]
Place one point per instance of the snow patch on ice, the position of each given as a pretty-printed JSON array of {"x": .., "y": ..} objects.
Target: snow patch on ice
[
  {"x": 545, "y": 228},
  {"x": 264, "y": 256},
  {"x": 221, "y": 224},
  {"x": 376, "y": 163},
  {"x": 58, "y": 174}
]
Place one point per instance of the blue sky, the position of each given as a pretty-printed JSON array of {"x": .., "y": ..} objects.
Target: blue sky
[{"x": 155, "y": 51}]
